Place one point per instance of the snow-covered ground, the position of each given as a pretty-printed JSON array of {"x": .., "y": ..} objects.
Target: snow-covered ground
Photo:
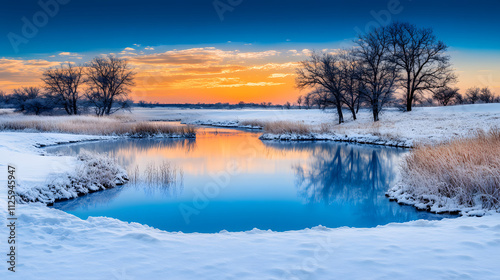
[
  {"x": 52, "y": 244},
  {"x": 422, "y": 125},
  {"x": 57, "y": 245}
]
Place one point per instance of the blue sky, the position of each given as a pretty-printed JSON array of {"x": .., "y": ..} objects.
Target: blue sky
[
  {"x": 104, "y": 25},
  {"x": 243, "y": 35}
]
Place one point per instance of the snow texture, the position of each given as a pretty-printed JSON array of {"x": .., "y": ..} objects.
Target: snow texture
[{"x": 57, "y": 245}]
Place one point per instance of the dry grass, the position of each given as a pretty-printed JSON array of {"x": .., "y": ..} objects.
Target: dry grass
[
  {"x": 92, "y": 125},
  {"x": 254, "y": 123},
  {"x": 466, "y": 170},
  {"x": 161, "y": 174},
  {"x": 283, "y": 127}
]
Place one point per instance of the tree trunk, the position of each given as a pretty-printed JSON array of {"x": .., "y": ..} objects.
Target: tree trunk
[
  {"x": 66, "y": 108},
  {"x": 409, "y": 93},
  {"x": 375, "y": 112},
  {"x": 75, "y": 107},
  {"x": 339, "y": 112},
  {"x": 408, "y": 104},
  {"x": 353, "y": 112}
]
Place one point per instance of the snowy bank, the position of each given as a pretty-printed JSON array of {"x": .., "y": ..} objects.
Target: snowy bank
[
  {"x": 47, "y": 178},
  {"x": 360, "y": 139},
  {"x": 94, "y": 172},
  {"x": 57, "y": 245}
]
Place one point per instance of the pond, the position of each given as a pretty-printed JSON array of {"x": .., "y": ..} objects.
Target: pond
[{"x": 228, "y": 179}]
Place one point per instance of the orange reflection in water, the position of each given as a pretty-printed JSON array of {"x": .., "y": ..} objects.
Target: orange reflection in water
[{"x": 212, "y": 152}]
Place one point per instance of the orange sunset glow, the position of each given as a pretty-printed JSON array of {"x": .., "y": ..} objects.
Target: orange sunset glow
[{"x": 209, "y": 74}]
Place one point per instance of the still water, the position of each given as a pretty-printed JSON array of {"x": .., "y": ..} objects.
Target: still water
[{"x": 228, "y": 179}]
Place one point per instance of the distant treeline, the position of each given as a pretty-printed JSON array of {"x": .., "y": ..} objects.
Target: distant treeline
[{"x": 219, "y": 105}]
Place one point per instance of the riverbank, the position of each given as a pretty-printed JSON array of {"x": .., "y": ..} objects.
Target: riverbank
[
  {"x": 124, "y": 126},
  {"x": 424, "y": 125}
]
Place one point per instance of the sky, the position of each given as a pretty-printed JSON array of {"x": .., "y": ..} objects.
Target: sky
[{"x": 229, "y": 50}]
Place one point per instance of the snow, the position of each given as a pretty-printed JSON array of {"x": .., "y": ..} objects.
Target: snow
[
  {"x": 422, "y": 125},
  {"x": 56, "y": 245},
  {"x": 21, "y": 150},
  {"x": 353, "y": 138},
  {"x": 435, "y": 203}
]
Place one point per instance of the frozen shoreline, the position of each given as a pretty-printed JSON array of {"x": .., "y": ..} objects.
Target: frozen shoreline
[{"x": 359, "y": 139}]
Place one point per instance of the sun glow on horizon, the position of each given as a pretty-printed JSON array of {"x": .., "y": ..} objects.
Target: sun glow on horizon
[{"x": 211, "y": 75}]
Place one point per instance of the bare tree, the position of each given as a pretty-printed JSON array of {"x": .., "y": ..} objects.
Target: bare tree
[
  {"x": 350, "y": 70},
  {"x": 486, "y": 96},
  {"x": 287, "y": 105},
  {"x": 31, "y": 100},
  {"x": 378, "y": 75},
  {"x": 307, "y": 101},
  {"x": 64, "y": 83},
  {"x": 445, "y": 96},
  {"x": 472, "y": 95},
  {"x": 421, "y": 59},
  {"x": 109, "y": 80},
  {"x": 299, "y": 101},
  {"x": 460, "y": 99},
  {"x": 322, "y": 70},
  {"x": 4, "y": 98}
]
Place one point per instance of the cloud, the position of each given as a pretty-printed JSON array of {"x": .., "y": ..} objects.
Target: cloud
[
  {"x": 17, "y": 72},
  {"x": 181, "y": 57},
  {"x": 68, "y": 54},
  {"x": 128, "y": 49},
  {"x": 253, "y": 55},
  {"x": 205, "y": 55},
  {"x": 279, "y": 75}
]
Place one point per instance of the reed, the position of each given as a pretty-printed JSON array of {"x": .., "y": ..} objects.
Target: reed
[
  {"x": 93, "y": 126},
  {"x": 465, "y": 169}
]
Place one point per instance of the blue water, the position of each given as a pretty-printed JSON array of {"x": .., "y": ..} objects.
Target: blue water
[{"x": 230, "y": 180}]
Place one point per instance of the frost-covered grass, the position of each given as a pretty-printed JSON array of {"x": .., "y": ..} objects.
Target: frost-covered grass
[
  {"x": 93, "y": 172},
  {"x": 459, "y": 175},
  {"x": 91, "y": 125},
  {"x": 281, "y": 127}
]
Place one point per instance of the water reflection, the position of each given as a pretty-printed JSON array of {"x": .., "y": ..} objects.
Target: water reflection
[
  {"x": 346, "y": 173},
  {"x": 279, "y": 186}
]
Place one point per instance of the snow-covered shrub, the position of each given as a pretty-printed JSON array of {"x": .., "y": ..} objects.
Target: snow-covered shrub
[
  {"x": 461, "y": 175},
  {"x": 93, "y": 172}
]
